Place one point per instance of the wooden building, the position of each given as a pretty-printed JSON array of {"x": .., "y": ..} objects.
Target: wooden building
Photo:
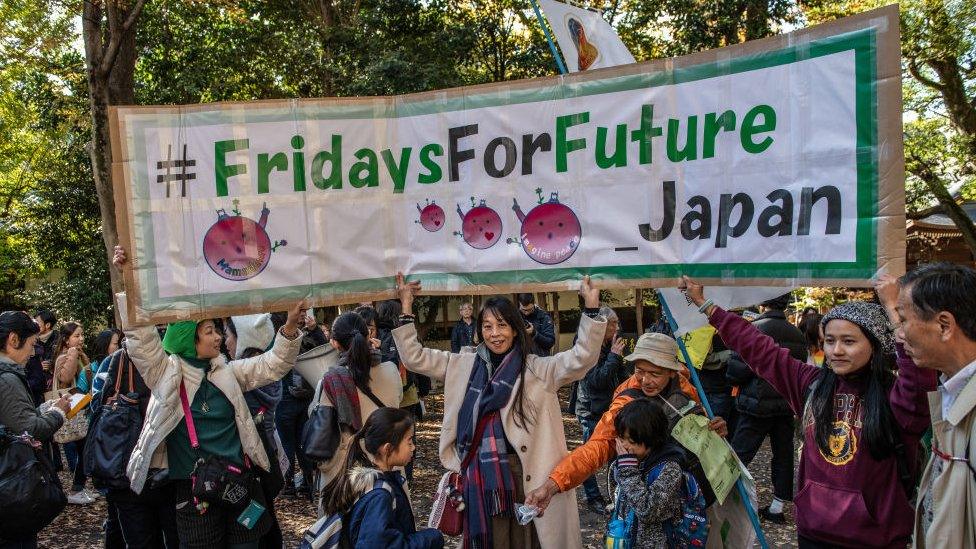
[{"x": 932, "y": 236}]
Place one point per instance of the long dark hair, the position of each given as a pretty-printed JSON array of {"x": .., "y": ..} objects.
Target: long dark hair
[
  {"x": 16, "y": 322},
  {"x": 350, "y": 330},
  {"x": 101, "y": 343},
  {"x": 384, "y": 426},
  {"x": 64, "y": 333},
  {"x": 880, "y": 432},
  {"x": 388, "y": 313},
  {"x": 502, "y": 308}
]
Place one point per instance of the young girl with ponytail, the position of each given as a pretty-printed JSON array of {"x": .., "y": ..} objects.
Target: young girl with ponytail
[
  {"x": 358, "y": 384},
  {"x": 861, "y": 421},
  {"x": 370, "y": 495}
]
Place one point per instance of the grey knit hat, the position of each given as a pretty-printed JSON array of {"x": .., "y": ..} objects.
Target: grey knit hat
[{"x": 871, "y": 317}]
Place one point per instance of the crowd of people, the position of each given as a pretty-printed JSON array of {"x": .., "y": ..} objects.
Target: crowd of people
[{"x": 191, "y": 431}]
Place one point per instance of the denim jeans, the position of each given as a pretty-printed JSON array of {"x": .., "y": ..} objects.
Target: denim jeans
[{"x": 590, "y": 486}]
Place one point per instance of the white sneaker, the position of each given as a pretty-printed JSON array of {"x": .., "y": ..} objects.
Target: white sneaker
[
  {"x": 93, "y": 494},
  {"x": 80, "y": 498}
]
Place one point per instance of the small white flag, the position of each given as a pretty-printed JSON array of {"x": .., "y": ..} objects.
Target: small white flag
[
  {"x": 686, "y": 314},
  {"x": 585, "y": 38}
]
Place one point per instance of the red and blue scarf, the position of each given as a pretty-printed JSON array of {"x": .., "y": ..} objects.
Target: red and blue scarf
[{"x": 489, "y": 487}]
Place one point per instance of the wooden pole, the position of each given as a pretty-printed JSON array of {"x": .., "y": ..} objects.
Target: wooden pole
[
  {"x": 639, "y": 310},
  {"x": 555, "y": 320}
]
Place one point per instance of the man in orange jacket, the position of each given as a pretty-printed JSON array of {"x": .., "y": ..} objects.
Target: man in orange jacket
[{"x": 657, "y": 374}]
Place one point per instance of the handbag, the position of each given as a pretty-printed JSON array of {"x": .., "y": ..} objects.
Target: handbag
[
  {"x": 215, "y": 480},
  {"x": 447, "y": 511},
  {"x": 75, "y": 425},
  {"x": 31, "y": 495},
  {"x": 115, "y": 428},
  {"x": 321, "y": 434}
]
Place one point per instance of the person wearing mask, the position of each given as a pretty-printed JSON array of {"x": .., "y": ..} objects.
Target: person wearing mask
[
  {"x": 17, "y": 411},
  {"x": 936, "y": 314},
  {"x": 46, "y": 340},
  {"x": 538, "y": 325},
  {"x": 861, "y": 423},
  {"x": 594, "y": 393},
  {"x": 501, "y": 404},
  {"x": 463, "y": 333},
  {"x": 72, "y": 369},
  {"x": 657, "y": 376},
  {"x": 762, "y": 412}
]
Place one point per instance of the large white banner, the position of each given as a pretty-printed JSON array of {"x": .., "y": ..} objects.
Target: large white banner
[
  {"x": 585, "y": 38},
  {"x": 750, "y": 164}
]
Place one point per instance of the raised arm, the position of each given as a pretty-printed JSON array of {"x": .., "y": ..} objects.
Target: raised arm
[
  {"x": 572, "y": 365},
  {"x": 790, "y": 377},
  {"x": 414, "y": 356}
]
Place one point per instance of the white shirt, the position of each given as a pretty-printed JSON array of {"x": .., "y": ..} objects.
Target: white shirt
[{"x": 951, "y": 387}]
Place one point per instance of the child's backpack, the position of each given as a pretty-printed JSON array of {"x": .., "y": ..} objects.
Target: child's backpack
[
  {"x": 328, "y": 532},
  {"x": 690, "y": 528}
]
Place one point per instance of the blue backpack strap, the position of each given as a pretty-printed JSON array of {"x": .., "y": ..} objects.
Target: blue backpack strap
[{"x": 379, "y": 484}]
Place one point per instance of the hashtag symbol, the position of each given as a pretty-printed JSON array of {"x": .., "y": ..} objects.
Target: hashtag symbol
[{"x": 169, "y": 164}]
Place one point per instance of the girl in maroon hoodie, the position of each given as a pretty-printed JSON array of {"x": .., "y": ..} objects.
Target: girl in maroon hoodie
[{"x": 861, "y": 422}]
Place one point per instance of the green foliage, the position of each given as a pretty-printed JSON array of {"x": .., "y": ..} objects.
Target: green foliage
[{"x": 84, "y": 297}]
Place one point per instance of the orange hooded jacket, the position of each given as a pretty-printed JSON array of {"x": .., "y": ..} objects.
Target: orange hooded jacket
[{"x": 587, "y": 459}]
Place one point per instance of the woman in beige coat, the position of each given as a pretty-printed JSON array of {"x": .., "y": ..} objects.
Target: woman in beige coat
[{"x": 501, "y": 405}]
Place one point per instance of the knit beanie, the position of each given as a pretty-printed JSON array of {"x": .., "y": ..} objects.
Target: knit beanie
[
  {"x": 255, "y": 331},
  {"x": 180, "y": 339},
  {"x": 871, "y": 318}
]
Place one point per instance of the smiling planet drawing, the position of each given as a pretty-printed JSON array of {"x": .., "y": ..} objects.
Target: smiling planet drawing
[
  {"x": 481, "y": 226},
  {"x": 237, "y": 247},
  {"x": 550, "y": 232}
]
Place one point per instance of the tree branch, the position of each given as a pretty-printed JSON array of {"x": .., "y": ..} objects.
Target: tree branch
[
  {"x": 917, "y": 75},
  {"x": 116, "y": 34}
]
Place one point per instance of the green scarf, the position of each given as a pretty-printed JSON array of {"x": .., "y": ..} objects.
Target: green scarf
[{"x": 180, "y": 339}]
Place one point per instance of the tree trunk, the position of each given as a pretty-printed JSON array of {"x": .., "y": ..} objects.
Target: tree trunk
[
  {"x": 110, "y": 58},
  {"x": 950, "y": 206}
]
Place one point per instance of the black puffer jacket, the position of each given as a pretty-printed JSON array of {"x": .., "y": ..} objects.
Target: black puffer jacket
[
  {"x": 594, "y": 393},
  {"x": 756, "y": 396}
]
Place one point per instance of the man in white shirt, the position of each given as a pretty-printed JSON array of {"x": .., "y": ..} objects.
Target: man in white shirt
[{"x": 937, "y": 324}]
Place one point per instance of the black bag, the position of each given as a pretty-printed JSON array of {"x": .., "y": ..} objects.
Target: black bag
[
  {"x": 321, "y": 433},
  {"x": 272, "y": 481},
  {"x": 113, "y": 433},
  {"x": 219, "y": 482},
  {"x": 31, "y": 495}
]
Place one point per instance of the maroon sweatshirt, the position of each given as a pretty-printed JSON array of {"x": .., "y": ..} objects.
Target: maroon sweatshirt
[{"x": 846, "y": 498}]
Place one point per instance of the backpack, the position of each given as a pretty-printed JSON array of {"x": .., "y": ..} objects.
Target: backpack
[
  {"x": 690, "y": 528},
  {"x": 329, "y": 532}
]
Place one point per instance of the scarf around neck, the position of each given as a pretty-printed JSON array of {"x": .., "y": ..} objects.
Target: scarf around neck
[{"x": 489, "y": 486}]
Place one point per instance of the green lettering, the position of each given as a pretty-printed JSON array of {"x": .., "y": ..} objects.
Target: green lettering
[
  {"x": 434, "y": 172},
  {"x": 398, "y": 173},
  {"x": 619, "y": 157},
  {"x": 750, "y": 128},
  {"x": 369, "y": 164},
  {"x": 221, "y": 170},
  {"x": 334, "y": 158},
  {"x": 690, "y": 150},
  {"x": 646, "y": 133},
  {"x": 564, "y": 146},
  {"x": 265, "y": 166},
  {"x": 298, "y": 163},
  {"x": 713, "y": 125}
]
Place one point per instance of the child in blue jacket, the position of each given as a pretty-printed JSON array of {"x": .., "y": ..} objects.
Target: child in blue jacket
[{"x": 376, "y": 508}]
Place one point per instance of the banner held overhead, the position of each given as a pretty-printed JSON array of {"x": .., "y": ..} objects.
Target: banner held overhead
[{"x": 773, "y": 162}]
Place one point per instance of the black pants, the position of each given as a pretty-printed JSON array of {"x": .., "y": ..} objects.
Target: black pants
[
  {"x": 80, "y": 475},
  {"x": 749, "y": 434},
  {"x": 113, "y": 530},
  {"x": 147, "y": 520},
  {"x": 24, "y": 543},
  {"x": 290, "y": 417}
]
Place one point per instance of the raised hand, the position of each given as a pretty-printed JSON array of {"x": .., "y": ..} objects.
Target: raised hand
[
  {"x": 406, "y": 291},
  {"x": 590, "y": 295},
  {"x": 694, "y": 290}
]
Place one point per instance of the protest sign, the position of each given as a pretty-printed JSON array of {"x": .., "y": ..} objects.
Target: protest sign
[
  {"x": 755, "y": 164},
  {"x": 585, "y": 38},
  {"x": 716, "y": 456},
  {"x": 729, "y": 526}
]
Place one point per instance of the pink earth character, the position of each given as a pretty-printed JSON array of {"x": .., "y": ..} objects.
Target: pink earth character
[
  {"x": 431, "y": 216},
  {"x": 551, "y": 232},
  {"x": 481, "y": 227},
  {"x": 238, "y": 248}
]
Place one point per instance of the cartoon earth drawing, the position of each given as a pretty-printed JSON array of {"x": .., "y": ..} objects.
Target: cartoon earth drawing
[
  {"x": 431, "y": 217},
  {"x": 587, "y": 52},
  {"x": 551, "y": 232},
  {"x": 238, "y": 248},
  {"x": 481, "y": 227}
]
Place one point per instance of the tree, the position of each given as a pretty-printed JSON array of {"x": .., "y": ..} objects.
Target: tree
[{"x": 109, "y": 32}]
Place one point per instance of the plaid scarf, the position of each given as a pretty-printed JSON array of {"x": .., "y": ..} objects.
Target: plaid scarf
[
  {"x": 339, "y": 386},
  {"x": 489, "y": 488}
]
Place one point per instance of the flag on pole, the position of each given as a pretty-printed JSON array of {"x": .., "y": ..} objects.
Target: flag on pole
[
  {"x": 686, "y": 314},
  {"x": 585, "y": 37}
]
